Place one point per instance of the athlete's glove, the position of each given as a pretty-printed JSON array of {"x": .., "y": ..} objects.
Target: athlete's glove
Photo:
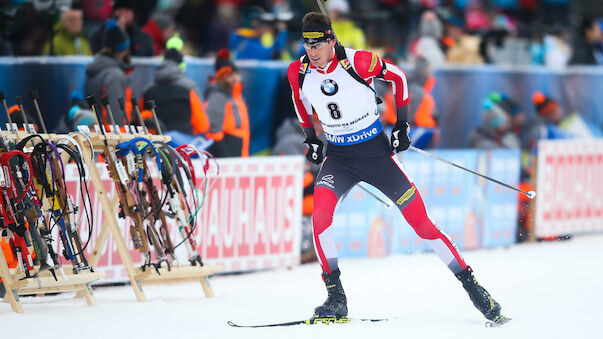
[
  {"x": 400, "y": 138},
  {"x": 315, "y": 148}
]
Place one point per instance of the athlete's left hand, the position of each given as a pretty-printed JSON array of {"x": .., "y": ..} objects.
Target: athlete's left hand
[
  {"x": 315, "y": 149},
  {"x": 400, "y": 138}
]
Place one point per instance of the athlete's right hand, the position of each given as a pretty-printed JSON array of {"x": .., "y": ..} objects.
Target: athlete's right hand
[{"x": 315, "y": 150}]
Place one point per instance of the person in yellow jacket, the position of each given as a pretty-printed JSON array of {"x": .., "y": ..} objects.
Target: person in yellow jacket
[
  {"x": 68, "y": 38},
  {"x": 226, "y": 110},
  {"x": 346, "y": 30}
]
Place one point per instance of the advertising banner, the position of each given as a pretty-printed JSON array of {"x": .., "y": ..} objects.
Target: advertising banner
[
  {"x": 570, "y": 187},
  {"x": 250, "y": 220}
]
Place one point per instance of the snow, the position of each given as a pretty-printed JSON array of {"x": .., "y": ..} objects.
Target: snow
[{"x": 551, "y": 290}]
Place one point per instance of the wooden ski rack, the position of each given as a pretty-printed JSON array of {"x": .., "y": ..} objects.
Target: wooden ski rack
[
  {"x": 14, "y": 282},
  {"x": 136, "y": 276}
]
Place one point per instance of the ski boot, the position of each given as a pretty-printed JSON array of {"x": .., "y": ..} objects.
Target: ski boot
[
  {"x": 335, "y": 307},
  {"x": 480, "y": 297}
]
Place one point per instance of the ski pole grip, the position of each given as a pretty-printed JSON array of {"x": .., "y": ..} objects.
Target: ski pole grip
[
  {"x": 105, "y": 101},
  {"x": 34, "y": 95},
  {"x": 90, "y": 100},
  {"x": 2, "y": 97},
  {"x": 18, "y": 99},
  {"x": 133, "y": 101},
  {"x": 151, "y": 104}
]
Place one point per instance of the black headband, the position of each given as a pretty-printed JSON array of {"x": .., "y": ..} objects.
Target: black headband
[{"x": 316, "y": 33}]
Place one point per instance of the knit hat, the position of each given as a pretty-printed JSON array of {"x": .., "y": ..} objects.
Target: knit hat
[
  {"x": 163, "y": 20},
  {"x": 543, "y": 104},
  {"x": 224, "y": 66},
  {"x": 503, "y": 100},
  {"x": 173, "y": 48},
  {"x": 80, "y": 116},
  {"x": 115, "y": 37},
  {"x": 123, "y": 4},
  {"x": 338, "y": 5},
  {"x": 493, "y": 115}
]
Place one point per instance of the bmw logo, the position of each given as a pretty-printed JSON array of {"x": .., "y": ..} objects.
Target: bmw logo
[{"x": 329, "y": 87}]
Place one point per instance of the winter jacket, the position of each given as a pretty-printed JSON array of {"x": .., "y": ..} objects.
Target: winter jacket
[
  {"x": 583, "y": 52},
  {"x": 289, "y": 139},
  {"x": 228, "y": 121},
  {"x": 66, "y": 43},
  {"x": 177, "y": 100},
  {"x": 106, "y": 76},
  {"x": 140, "y": 42},
  {"x": 246, "y": 45}
]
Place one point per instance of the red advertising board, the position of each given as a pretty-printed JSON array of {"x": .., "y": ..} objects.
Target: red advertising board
[
  {"x": 570, "y": 187},
  {"x": 251, "y": 219}
]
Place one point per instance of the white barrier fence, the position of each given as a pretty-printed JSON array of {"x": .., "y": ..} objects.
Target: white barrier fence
[{"x": 569, "y": 186}]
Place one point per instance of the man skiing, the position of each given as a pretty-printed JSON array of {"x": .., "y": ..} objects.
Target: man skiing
[{"x": 337, "y": 83}]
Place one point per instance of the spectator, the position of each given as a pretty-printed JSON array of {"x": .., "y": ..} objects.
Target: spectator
[
  {"x": 495, "y": 130},
  {"x": 586, "y": 47},
  {"x": 68, "y": 38},
  {"x": 422, "y": 112},
  {"x": 289, "y": 139},
  {"x": 546, "y": 124},
  {"x": 227, "y": 111},
  {"x": 160, "y": 28},
  {"x": 348, "y": 34},
  {"x": 258, "y": 41},
  {"x": 462, "y": 47},
  {"x": 177, "y": 98},
  {"x": 195, "y": 19},
  {"x": 123, "y": 12},
  {"x": 428, "y": 44},
  {"x": 223, "y": 23},
  {"x": 106, "y": 74},
  {"x": 79, "y": 114},
  {"x": 513, "y": 109},
  {"x": 6, "y": 48}
]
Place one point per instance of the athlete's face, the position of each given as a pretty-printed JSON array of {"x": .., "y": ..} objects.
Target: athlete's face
[{"x": 321, "y": 55}]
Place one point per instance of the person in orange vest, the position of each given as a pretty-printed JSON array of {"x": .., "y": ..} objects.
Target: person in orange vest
[
  {"x": 227, "y": 111},
  {"x": 178, "y": 99}
]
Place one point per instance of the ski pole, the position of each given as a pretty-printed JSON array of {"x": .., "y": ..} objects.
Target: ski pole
[
  {"x": 10, "y": 121},
  {"x": 530, "y": 194},
  {"x": 385, "y": 203},
  {"x": 35, "y": 97}
]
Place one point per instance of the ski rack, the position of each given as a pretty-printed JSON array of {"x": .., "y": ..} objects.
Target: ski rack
[
  {"x": 13, "y": 280},
  {"x": 137, "y": 276}
]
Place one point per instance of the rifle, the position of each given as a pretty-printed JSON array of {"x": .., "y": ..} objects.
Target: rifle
[
  {"x": 124, "y": 149},
  {"x": 153, "y": 204},
  {"x": 118, "y": 174},
  {"x": 177, "y": 197},
  {"x": 12, "y": 202},
  {"x": 63, "y": 209}
]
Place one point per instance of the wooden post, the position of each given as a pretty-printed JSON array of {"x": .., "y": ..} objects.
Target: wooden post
[
  {"x": 9, "y": 285},
  {"x": 111, "y": 222},
  {"x": 136, "y": 276}
]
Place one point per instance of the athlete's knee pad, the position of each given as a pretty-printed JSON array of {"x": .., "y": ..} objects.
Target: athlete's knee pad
[{"x": 325, "y": 201}]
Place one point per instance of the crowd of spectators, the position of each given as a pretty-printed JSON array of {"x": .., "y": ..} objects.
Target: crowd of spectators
[{"x": 549, "y": 32}]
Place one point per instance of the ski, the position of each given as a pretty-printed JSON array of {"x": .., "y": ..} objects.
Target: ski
[
  {"x": 500, "y": 320},
  {"x": 311, "y": 321}
]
